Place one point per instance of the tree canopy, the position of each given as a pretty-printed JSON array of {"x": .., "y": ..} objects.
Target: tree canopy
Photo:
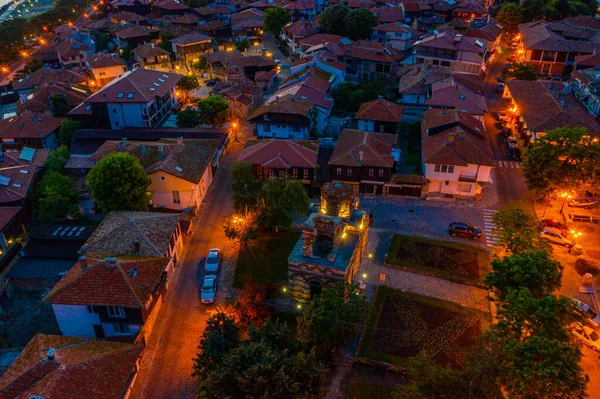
[
  {"x": 510, "y": 16},
  {"x": 333, "y": 317},
  {"x": 517, "y": 229},
  {"x": 519, "y": 71},
  {"x": 214, "y": 110},
  {"x": 241, "y": 45},
  {"x": 563, "y": 159},
  {"x": 188, "y": 83},
  {"x": 358, "y": 23},
  {"x": 245, "y": 188},
  {"x": 220, "y": 336},
  {"x": 279, "y": 201},
  {"x": 119, "y": 183},
  {"x": 348, "y": 96},
  {"x": 275, "y": 19},
  {"x": 188, "y": 118},
  {"x": 55, "y": 197},
  {"x": 57, "y": 159},
  {"x": 534, "y": 270},
  {"x": 65, "y": 132},
  {"x": 332, "y": 19}
]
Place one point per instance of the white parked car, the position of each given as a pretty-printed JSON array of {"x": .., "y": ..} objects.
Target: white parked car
[
  {"x": 556, "y": 237},
  {"x": 586, "y": 335},
  {"x": 593, "y": 317},
  {"x": 209, "y": 289},
  {"x": 213, "y": 259}
]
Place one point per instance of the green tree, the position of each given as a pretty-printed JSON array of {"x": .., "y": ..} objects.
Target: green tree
[
  {"x": 65, "y": 132},
  {"x": 333, "y": 317},
  {"x": 279, "y": 201},
  {"x": 245, "y": 188},
  {"x": 188, "y": 83},
  {"x": 54, "y": 196},
  {"x": 270, "y": 364},
  {"x": 275, "y": 19},
  {"x": 510, "y": 17},
  {"x": 517, "y": 230},
  {"x": 201, "y": 65},
  {"x": 214, "y": 110},
  {"x": 102, "y": 39},
  {"x": 562, "y": 159},
  {"x": 562, "y": 7},
  {"x": 519, "y": 71},
  {"x": 535, "y": 270},
  {"x": 220, "y": 336},
  {"x": 531, "y": 9},
  {"x": 359, "y": 23},
  {"x": 580, "y": 8},
  {"x": 188, "y": 118},
  {"x": 332, "y": 19},
  {"x": 549, "y": 13},
  {"x": 241, "y": 45},
  {"x": 57, "y": 159},
  {"x": 60, "y": 105},
  {"x": 118, "y": 183}
]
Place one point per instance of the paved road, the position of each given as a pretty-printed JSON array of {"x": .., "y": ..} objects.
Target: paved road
[
  {"x": 167, "y": 364},
  {"x": 269, "y": 43},
  {"x": 509, "y": 179}
]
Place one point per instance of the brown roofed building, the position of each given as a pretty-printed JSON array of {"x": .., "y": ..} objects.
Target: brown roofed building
[
  {"x": 448, "y": 93},
  {"x": 363, "y": 158},
  {"x": 137, "y": 284},
  {"x": 44, "y": 76},
  {"x": 151, "y": 56},
  {"x": 379, "y": 116},
  {"x": 190, "y": 47},
  {"x": 56, "y": 100},
  {"x": 55, "y": 366},
  {"x": 454, "y": 51},
  {"x": 297, "y": 159},
  {"x": 31, "y": 130},
  {"x": 456, "y": 153},
  {"x": 106, "y": 67},
  {"x": 181, "y": 170},
  {"x": 133, "y": 35},
  {"x": 288, "y": 117}
]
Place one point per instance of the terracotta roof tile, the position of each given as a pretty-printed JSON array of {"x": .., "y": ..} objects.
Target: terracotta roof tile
[
  {"x": 286, "y": 105},
  {"x": 187, "y": 19},
  {"x": 376, "y": 149},
  {"x": 447, "y": 93},
  {"x": 191, "y": 38},
  {"x": 103, "y": 60},
  {"x": 29, "y": 126},
  {"x": 7, "y": 214},
  {"x": 380, "y": 110},
  {"x": 293, "y": 154},
  {"x": 149, "y": 50}
]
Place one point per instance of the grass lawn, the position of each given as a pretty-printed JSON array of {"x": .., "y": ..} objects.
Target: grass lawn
[
  {"x": 361, "y": 389},
  {"x": 412, "y": 158},
  {"x": 403, "y": 324},
  {"x": 456, "y": 261},
  {"x": 266, "y": 258}
]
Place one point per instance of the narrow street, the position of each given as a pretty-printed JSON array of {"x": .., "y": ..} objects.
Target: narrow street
[
  {"x": 508, "y": 177},
  {"x": 166, "y": 368}
]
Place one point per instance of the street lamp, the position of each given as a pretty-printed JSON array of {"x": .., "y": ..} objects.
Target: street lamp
[{"x": 565, "y": 196}]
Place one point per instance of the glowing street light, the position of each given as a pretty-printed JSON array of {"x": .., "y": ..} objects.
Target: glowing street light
[{"x": 565, "y": 197}]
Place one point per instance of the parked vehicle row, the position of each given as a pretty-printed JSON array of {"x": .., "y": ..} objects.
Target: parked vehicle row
[{"x": 211, "y": 268}]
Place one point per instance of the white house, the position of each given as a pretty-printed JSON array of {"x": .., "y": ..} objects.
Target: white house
[
  {"x": 138, "y": 98},
  {"x": 456, "y": 153},
  {"x": 288, "y": 117},
  {"x": 106, "y": 67}
]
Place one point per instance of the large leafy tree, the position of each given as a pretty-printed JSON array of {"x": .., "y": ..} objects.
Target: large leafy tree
[
  {"x": 510, "y": 17},
  {"x": 531, "y": 9},
  {"x": 65, "y": 132},
  {"x": 214, "y": 110},
  {"x": 535, "y": 270},
  {"x": 55, "y": 197},
  {"x": 562, "y": 159},
  {"x": 517, "y": 229},
  {"x": 118, "y": 183},
  {"x": 332, "y": 19},
  {"x": 188, "y": 83},
  {"x": 245, "y": 188},
  {"x": 333, "y": 317},
  {"x": 275, "y": 19},
  {"x": 519, "y": 71},
  {"x": 280, "y": 200},
  {"x": 270, "y": 364},
  {"x": 57, "y": 159},
  {"x": 241, "y": 45},
  {"x": 358, "y": 23},
  {"x": 220, "y": 336},
  {"x": 188, "y": 118}
]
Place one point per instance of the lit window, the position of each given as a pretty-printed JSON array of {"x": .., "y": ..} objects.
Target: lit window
[
  {"x": 305, "y": 174},
  {"x": 294, "y": 173},
  {"x": 381, "y": 172},
  {"x": 339, "y": 171},
  {"x": 176, "y": 199}
]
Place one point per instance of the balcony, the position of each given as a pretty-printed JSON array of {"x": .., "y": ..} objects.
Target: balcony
[{"x": 468, "y": 178}]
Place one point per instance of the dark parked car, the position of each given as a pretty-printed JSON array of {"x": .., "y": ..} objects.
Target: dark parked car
[
  {"x": 500, "y": 88},
  {"x": 211, "y": 83},
  {"x": 515, "y": 153},
  {"x": 464, "y": 230}
]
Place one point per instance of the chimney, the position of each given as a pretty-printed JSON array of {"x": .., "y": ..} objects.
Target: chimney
[
  {"x": 110, "y": 262},
  {"x": 50, "y": 354},
  {"x": 136, "y": 247},
  {"x": 82, "y": 262},
  {"x": 450, "y": 138},
  {"x": 161, "y": 151},
  {"x": 361, "y": 156},
  {"x": 122, "y": 146}
]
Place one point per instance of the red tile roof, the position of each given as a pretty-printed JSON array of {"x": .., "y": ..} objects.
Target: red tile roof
[
  {"x": 7, "y": 214},
  {"x": 127, "y": 16},
  {"x": 373, "y": 51},
  {"x": 300, "y": 5},
  {"x": 447, "y": 93},
  {"x": 40, "y": 100},
  {"x": 172, "y": 5},
  {"x": 149, "y": 50},
  {"x": 301, "y": 29},
  {"x": 449, "y": 41},
  {"x": 380, "y": 110},
  {"x": 302, "y": 91},
  {"x": 388, "y": 14},
  {"x": 133, "y": 31},
  {"x": 81, "y": 368},
  {"x": 13, "y": 158},
  {"x": 285, "y": 153},
  {"x": 103, "y": 60},
  {"x": 320, "y": 38},
  {"x": 19, "y": 180},
  {"x": 288, "y": 104},
  {"x": 29, "y": 126},
  {"x": 588, "y": 60},
  {"x": 264, "y": 76},
  {"x": 128, "y": 282},
  {"x": 318, "y": 83},
  {"x": 376, "y": 149},
  {"x": 50, "y": 75},
  {"x": 145, "y": 84},
  {"x": 187, "y": 19}
]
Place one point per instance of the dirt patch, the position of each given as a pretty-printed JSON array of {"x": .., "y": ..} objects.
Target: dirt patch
[
  {"x": 23, "y": 315},
  {"x": 453, "y": 260},
  {"x": 407, "y": 327}
]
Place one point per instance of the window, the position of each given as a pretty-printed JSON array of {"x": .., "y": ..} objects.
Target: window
[
  {"x": 116, "y": 123},
  {"x": 450, "y": 169},
  {"x": 437, "y": 168},
  {"x": 371, "y": 171},
  {"x": 444, "y": 168},
  {"x": 338, "y": 171},
  {"x": 281, "y": 174},
  {"x": 295, "y": 128},
  {"x": 91, "y": 309},
  {"x": 381, "y": 172},
  {"x": 294, "y": 173},
  {"x": 267, "y": 127},
  {"x": 115, "y": 311},
  {"x": 114, "y": 110},
  {"x": 120, "y": 94},
  {"x": 121, "y": 328},
  {"x": 445, "y": 63},
  {"x": 305, "y": 174},
  {"x": 176, "y": 198},
  {"x": 349, "y": 172},
  {"x": 271, "y": 173}
]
